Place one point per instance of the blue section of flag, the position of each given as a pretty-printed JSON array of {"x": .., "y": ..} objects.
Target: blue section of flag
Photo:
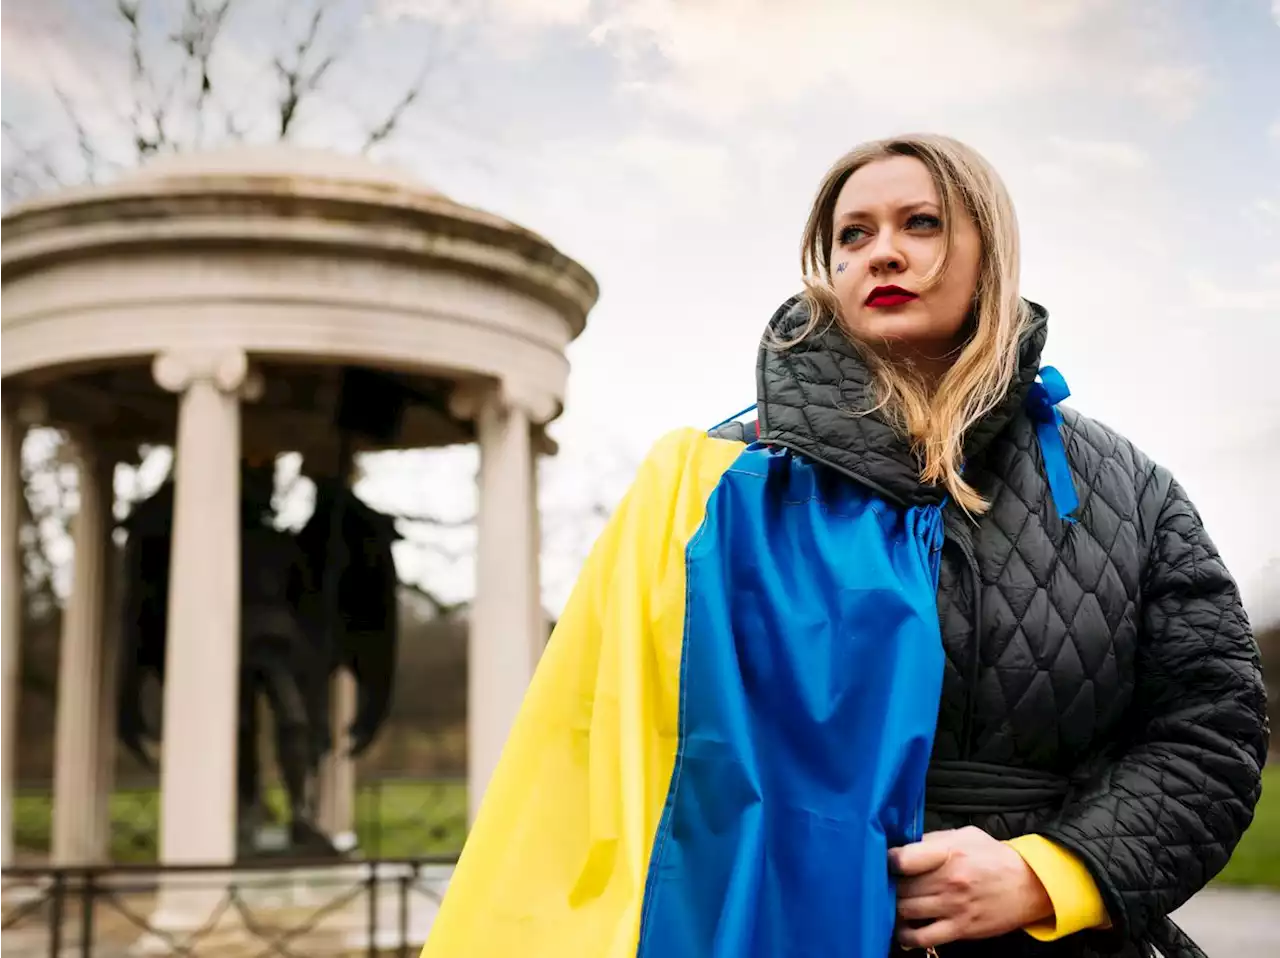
[{"x": 810, "y": 679}]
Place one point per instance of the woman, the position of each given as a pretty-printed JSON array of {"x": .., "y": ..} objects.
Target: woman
[{"x": 911, "y": 656}]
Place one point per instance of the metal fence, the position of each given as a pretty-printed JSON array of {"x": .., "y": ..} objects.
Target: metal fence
[
  {"x": 395, "y": 817},
  {"x": 379, "y": 907}
]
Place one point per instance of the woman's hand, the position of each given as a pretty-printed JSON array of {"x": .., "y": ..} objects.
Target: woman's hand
[{"x": 963, "y": 884}]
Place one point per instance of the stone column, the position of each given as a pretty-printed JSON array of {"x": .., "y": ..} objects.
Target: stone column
[
  {"x": 501, "y": 640},
  {"x": 108, "y": 706},
  {"x": 535, "y": 564},
  {"x": 201, "y": 689},
  {"x": 11, "y": 622},
  {"x": 76, "y": 743},
  {"x": 337, "y": 817}
]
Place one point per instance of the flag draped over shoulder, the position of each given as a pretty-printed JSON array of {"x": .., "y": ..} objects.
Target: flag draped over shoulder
[{"x": 729, "y": 728}]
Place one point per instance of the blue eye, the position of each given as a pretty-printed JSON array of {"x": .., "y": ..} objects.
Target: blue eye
[
  {"x": 924, "y": 221},
  {"x": 851, "y": 234}
]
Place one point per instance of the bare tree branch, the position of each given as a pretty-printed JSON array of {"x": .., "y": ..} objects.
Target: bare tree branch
[
  {"x": 168, "y": 108},
  {"x": 141, "y": 80},
  {"x": 89, "y": 155},
  {"x": 197, "y": 39},
  {"x": 171, "y": 93},
  {"x": 231, "y": 130},
  {"x": 391, "y": 121},
  {"x": 34, "y": 170},
  {"x": 436, "y": 61},
  {"x": 298, "y": 80}
]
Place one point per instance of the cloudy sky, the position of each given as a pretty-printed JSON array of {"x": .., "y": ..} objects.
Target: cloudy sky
[{"x": 673, "y": 148}]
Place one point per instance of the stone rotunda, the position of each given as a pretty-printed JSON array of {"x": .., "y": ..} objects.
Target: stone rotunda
[{"x": 211, "y": 301}]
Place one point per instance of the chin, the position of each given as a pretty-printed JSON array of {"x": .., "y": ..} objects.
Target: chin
[{"x": 896, "y": 325}]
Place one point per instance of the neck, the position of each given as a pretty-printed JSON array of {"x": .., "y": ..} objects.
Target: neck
[{"x": 929, "y": 361}]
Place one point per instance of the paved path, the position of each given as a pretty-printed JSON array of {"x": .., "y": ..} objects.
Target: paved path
[
  {"x": 1233, "y": 923},
  {"x": 1225, "y": 922}
]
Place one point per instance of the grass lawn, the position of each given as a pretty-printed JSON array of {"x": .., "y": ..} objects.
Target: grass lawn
[
  {"x": 394, "y": 819},
  {"x": 408, "y": 819},
  {"x": 405, "y": 819},
  {"x": 1257, "y": 858}
]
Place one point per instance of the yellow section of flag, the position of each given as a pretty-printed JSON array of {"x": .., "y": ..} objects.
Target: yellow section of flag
[{"x": 557, "y": 859}]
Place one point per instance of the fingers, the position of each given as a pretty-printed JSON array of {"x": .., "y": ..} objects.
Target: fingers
[
  {"x": 960, "y": 886},
  {"x": 925, "y": 886},
  {"x": 924, "y": 856},
  {"x": 930, "y": 936},
  {"x": 924, "y": 908}
]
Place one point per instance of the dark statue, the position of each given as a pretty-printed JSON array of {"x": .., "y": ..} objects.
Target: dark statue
[{"x": 311, "y": 603}]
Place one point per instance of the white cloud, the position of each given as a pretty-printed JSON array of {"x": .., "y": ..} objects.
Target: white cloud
[
  {"x": 508, "y": 30},
  {"x": 1104, "y": 154},
  {"x": 1275, "y": 11},
  {"x": 690, "y": 173},
  {"x": 1175, "y": 91},
  {"x": 1273, "y": 131},
  {"x": 1214, "y": 293},
  {"x": 637, "y": 174},
  {"x": 510, "y": 12},
  {"x": 1076, "y": 165},
  {"x": 546, "y": 11},
  {"x": 38, "y": 54},
  {"x": 1263, "y": 216},
  {"x": 446, "y": 12},
  {"x": 723, "y": 57}
]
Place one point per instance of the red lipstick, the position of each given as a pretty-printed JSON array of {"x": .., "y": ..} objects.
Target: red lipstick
[{"x": 883, "y": 297}]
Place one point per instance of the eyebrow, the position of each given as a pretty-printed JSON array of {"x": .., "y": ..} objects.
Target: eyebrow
[{"x": 905, "y": 208}]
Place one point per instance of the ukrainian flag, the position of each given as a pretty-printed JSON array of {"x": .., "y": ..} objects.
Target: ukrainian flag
[{"x": 728, "y": 730}]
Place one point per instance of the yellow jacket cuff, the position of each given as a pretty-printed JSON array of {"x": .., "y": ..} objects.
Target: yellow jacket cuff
[{"x": 1077, "y": 904}]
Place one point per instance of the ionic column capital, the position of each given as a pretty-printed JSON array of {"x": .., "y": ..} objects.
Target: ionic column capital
[
  {"x": 227, "y": 370},
  {"x": 466, "y": 400},
  {"x": 537, "y": 405}
]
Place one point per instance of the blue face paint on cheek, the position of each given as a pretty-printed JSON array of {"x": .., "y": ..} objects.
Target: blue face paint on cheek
[{"x": 841, "y": 267}]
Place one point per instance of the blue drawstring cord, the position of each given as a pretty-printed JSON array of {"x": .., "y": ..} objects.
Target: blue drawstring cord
[
  {"x": 1042, "y": 406},
  {"x": 725, "y": 422}
]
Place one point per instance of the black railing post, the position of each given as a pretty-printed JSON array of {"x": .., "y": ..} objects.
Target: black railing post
[
  {"x": 87, "y": 890},
  {"x": 405, "y": 878},
  {"x": 373, "y": 909},
  {"x": 57, "y": 901}
]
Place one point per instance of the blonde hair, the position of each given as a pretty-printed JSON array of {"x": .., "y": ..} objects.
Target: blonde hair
[{"x": 935, "y": 421}]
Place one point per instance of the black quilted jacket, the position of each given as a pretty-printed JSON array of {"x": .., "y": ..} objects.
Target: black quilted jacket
[{"x": 1102, "y": 686}]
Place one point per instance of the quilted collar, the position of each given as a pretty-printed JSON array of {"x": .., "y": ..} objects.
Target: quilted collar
[{"x": 806, "y": 394}]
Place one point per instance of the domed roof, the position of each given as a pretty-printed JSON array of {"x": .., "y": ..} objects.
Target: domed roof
[{"x": 277, "y": 162}]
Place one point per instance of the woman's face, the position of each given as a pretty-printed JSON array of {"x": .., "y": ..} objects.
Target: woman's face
[{"x": 887, "y": 234}]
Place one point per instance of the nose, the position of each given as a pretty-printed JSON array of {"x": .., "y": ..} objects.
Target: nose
[{"x": 886, "y": 257}]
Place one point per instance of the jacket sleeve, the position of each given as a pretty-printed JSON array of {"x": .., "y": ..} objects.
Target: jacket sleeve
[{"x": 1158, "y": 822}]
